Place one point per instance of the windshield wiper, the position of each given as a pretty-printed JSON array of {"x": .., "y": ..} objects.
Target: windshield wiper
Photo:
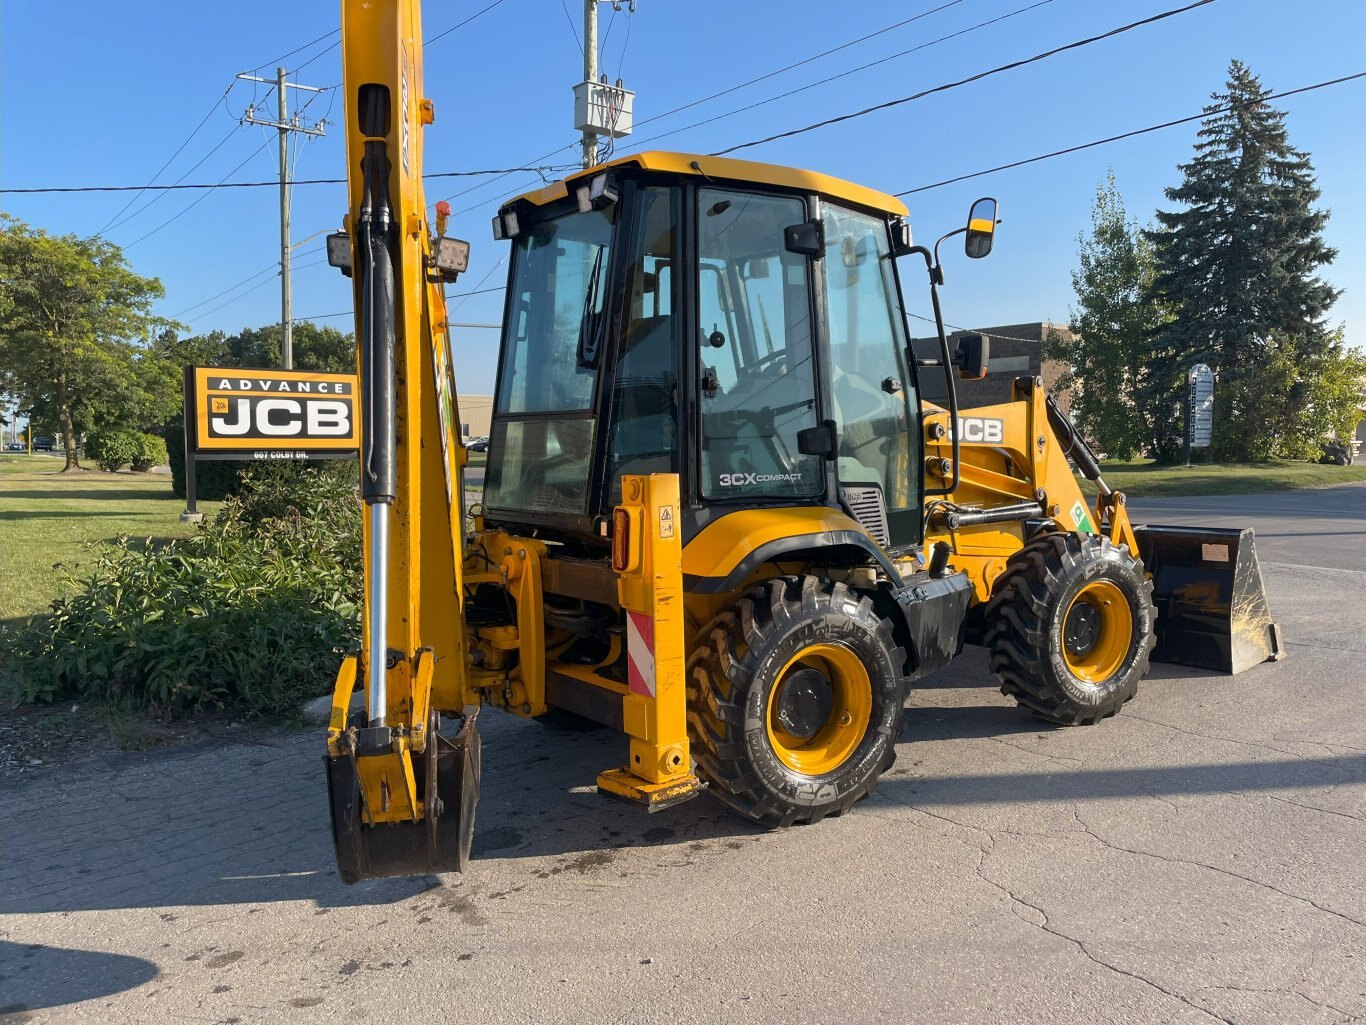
[{"x": 591, "y": 323}]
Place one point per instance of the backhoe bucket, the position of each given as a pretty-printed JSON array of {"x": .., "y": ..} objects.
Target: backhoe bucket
[
  {"x": 1212, "y": 610},
  {"x": 438, "y": 843}
]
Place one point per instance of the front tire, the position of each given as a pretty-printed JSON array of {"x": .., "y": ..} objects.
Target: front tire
[
  {"x": 1070, "y": 627},
  {"x": 794, "y": 701}
]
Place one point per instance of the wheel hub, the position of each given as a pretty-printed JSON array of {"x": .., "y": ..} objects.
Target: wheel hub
[
  {"x": 1082, "y": 628},
  {"x": 803, "y": 702}
]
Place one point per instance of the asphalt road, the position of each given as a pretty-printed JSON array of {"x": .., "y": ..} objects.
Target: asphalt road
[{"x": 1199, "y": 858}]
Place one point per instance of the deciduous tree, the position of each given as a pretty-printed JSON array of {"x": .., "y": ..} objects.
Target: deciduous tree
[{"x": 70, "y": 309}]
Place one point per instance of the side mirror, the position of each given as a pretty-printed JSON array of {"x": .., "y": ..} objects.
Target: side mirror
[
  {"x": 981, "y": 228},
  {"x": 972, "y": 354},
  {"x": 819, "y": 441}
]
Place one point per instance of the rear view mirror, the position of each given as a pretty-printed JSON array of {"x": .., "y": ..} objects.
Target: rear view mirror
[
  {"x": 981, "y": 228},
  {"x": 972, "y": 354},
  {"x": 819, "y": 441}
]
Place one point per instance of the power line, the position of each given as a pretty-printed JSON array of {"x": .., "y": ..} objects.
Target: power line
[
  {"x": 844, "y": 74},
  {"x": 1129, "y": 135},
  {"x": 200, "y": 199},
  {"x": 476, "y": 14},
  {"x": 298, "y": 49},
  {"x": 171, "y": 159},
  {"x": 253, "y": 288},
  {"x": 798, "y": 64},
  {"x": 965, "y": 81},
  {"x": 572, "y": 27},
  {"x": 230, "y": 288},
  {"x": 439, "y": 35},
  {"x": 351, "y": 313},
  {"x": 177, "y": 187},
  {"x": 160, "y": 189},
  {"x": 273, "y": 266},
  {"x": 975, "y": 330},
  {"x": 574, "y": 30}
]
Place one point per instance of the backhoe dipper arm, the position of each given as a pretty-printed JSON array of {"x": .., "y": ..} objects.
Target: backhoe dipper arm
[{"x": 385, "y": 772}]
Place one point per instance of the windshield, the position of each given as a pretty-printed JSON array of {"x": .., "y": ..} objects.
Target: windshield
[{"x": 542, "y": 437}]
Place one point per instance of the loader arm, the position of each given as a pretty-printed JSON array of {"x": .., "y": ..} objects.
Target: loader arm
[{"x": 391, "y": 772}]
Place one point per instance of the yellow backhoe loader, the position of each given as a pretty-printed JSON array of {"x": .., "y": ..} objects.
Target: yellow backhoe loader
[{"x": 718, "y": 515}]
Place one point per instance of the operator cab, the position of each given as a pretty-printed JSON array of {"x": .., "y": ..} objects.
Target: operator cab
[{"x": 736, "y": 323}]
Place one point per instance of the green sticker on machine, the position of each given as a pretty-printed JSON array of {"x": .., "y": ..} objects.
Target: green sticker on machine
[{"x": 1082, "y": 518}]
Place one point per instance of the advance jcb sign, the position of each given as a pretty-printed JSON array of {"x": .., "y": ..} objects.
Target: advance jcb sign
[{"x": 254, "y": 412}]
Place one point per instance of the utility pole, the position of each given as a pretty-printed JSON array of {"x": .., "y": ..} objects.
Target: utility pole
[
  {"x": 590, "y": 72},
  {"x": 284, "y": 125},
  {"x": 600, "y": 109}
]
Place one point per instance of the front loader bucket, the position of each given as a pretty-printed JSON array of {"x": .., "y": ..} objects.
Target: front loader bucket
[
  {"x": 439, "y": 843},
  {"x": 1211, "y": 606}
]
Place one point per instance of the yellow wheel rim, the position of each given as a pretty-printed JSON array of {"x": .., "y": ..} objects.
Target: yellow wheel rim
[
  {"x": 837, "y": 736},
  {"x": 1097, "y": 630}
]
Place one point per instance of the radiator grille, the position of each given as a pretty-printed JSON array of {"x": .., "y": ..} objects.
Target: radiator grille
[{"x": 865, "y": 502}]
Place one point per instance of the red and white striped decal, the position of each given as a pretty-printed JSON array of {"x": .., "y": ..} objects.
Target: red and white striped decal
[{"x": 640, "y": 653}]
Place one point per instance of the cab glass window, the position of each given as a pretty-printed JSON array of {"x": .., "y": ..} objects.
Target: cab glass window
[
  {"x": 754, "y": 315},
  {"x": 644, "y": 430},
  {"x": 871, "y": 395}
]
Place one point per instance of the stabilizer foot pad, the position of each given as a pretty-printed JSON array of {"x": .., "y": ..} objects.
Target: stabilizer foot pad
[{"x": 652, "y": 797}]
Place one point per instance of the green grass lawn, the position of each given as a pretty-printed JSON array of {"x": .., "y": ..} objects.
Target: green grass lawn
[
  {"x": 47, "y": 518},
  {"x": 1141, "y": 479}
]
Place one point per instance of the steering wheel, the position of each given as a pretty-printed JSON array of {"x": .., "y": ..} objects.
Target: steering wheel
[{"x": 760, "y": 364}]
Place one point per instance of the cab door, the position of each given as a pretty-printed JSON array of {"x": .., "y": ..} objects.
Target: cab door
[
  {"x": 757, "y": 386},
  {"x": 871, "y": 391}
]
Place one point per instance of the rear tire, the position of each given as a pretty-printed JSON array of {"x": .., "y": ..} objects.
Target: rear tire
[
  {"x": 794, "y": 701},
  {"x": 1070, "y": 627}
]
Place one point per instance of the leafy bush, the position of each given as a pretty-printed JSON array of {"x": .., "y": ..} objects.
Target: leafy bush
[
  {"x": 151, "y": 452},
  {"x": 254, "y": 612},
  {"x": 113, "y": 448}
]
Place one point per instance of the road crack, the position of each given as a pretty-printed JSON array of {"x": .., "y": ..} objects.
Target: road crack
[{"x": 1171, "y": 860}]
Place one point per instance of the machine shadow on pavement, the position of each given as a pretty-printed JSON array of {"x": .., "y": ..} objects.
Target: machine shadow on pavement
[
  {"x": 29, "y": 971},
  {"x": 217, "y": 845}
]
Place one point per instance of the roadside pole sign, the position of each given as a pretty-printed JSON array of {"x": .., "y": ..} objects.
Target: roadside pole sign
[
  {"x": 1200, "y": 406},
  {"x": 241, "y": 413}
]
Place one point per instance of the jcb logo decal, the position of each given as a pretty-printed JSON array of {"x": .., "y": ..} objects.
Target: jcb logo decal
[
  {"x": 260, "y": 418},
  {"x": 274, "y": 410},
  {"x": 981, "y": 430}
]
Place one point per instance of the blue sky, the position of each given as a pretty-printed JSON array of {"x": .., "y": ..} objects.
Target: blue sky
[{"x": 129, "y": 81}]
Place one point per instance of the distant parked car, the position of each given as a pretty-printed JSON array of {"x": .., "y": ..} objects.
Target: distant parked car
[
  {"x": 478, "y": 445},
  {"x": 13, "y": 446}
]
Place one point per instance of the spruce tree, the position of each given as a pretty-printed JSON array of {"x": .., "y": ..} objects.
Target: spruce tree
[{"x": 1238, "y": 265}]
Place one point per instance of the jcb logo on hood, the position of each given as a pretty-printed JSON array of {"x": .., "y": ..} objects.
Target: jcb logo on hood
[{"x": 981, "y": 430}]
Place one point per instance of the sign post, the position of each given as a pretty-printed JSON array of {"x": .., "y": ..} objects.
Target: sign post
[
  {"x": 243, "y": 414},
  {"x": 1199, "y": 409}
]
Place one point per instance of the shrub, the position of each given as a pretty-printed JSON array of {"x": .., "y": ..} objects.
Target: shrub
[
  {"x": 113, "y": 448},
  {"x": 254, "y": 612},
  {"x": 151, "y": 451},
  {"x": 213, "y": 480}
]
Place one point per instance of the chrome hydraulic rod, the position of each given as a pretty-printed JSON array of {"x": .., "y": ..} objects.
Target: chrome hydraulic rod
[{"x": 377, "y": 612}]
